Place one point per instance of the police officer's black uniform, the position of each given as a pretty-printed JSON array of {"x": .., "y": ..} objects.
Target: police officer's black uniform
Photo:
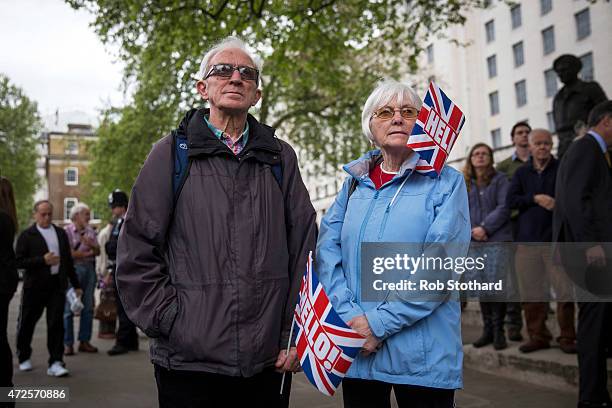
[{"x": 127, "y": 338}]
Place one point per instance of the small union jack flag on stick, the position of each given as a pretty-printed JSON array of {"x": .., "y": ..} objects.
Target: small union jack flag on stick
[
  {"x": 325, "y": 344},
  {"x": 435, "y": 131}
]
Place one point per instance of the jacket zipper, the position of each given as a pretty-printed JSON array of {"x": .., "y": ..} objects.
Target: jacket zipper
[{"x": 361, "y": 234}]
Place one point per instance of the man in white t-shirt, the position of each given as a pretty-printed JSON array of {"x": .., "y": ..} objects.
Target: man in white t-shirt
[{"x": 43, "y": 252}]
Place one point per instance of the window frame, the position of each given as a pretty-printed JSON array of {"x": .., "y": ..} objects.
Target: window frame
[
  {"x": 490, "y": 38},
  {"x": 515, "y": 46},
  {"x": 66, "y": 209},
  {"x": 549, "y": 29},
  {"x": 492, "y": 62},
  {"x": 496, "y": 141},
  {"x": 517, "y": 86},
  {"x": 585, "y": 11},
  {"x": 494, "y": 96},
  {"x": 516, "y": 16},
  {"x": 76, "y": 178}
]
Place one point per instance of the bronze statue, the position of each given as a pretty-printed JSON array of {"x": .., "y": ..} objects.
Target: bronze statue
[{"x": 574, "y": 100}]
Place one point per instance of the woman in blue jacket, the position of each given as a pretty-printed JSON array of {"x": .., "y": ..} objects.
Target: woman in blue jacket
[{"x": 413, "y": 347}]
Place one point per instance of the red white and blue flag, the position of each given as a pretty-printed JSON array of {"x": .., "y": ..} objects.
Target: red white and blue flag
[
  {"x": 326, "y": 346},
  {"x": 435, "y": 131}
]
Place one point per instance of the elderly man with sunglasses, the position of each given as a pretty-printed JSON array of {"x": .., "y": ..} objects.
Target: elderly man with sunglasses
[{"x": 212, "y": 253}]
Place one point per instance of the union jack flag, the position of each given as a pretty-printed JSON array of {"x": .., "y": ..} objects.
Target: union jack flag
[
  {"x": 325, "y": 345},
  {"x": 435, "y": 131}
]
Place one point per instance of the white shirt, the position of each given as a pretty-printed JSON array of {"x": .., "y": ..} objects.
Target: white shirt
[{"x": 50, "y": 236}]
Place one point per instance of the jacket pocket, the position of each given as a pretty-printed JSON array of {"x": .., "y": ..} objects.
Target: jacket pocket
[
  {"x": 204, "y": 330},
  {"x": 404, "y": 353}
]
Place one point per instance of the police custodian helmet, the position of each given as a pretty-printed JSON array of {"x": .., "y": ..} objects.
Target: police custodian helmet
[{"x": 117, "y": 199}]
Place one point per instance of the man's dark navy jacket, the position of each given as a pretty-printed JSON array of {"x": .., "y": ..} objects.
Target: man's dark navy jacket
[{"x": 534, "y": 221}]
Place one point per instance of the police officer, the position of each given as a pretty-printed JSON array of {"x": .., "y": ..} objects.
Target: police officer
[{"x": 127, "y": 338}]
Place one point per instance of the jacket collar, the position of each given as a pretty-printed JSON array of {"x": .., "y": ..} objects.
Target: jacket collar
[
  {"x": 552, "y": 164},
  {"x": 360, "y": 168},
  {"x": 202, "y": 141}
]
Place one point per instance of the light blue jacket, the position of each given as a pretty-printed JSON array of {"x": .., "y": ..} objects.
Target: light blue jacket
[{"x": 422, "y": 340}]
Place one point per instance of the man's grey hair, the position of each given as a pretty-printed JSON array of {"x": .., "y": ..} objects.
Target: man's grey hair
[
  {"x": 226, "y": 44},
  {"x": 76, "y": 209},
  {"x": 539, "y": 130},
  {"x": 599, "y": 113},
  {"x": 385, "y": 92}
]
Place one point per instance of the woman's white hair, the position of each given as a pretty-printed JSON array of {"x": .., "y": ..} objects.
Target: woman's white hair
[
  {"x": 76, "y": 209},
  {"x": 385, "y": 92},
  {"x": 226, "y": 44}
]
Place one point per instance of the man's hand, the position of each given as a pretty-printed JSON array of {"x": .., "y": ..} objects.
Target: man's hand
[
  {"x": 360, "y": 325},
  {"x": 51, "y": 259},
  {"x": 544, "y": 201},
  {"x": 287, "y": 362},
  {"x": 479, "y": 234},
  {"x": 79, "y": 292},
  {"x": 596, "y": 256}
]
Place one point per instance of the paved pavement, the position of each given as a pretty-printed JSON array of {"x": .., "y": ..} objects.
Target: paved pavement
[{"x": 98, "y": 380}]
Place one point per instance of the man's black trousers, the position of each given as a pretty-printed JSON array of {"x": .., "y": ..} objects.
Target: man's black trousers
[
  {"x": 196, "y": 389},
  {"x": 592, "y": 338},
  {"x": 126, "y": 333},
  {"x": 33, "y": 303}
]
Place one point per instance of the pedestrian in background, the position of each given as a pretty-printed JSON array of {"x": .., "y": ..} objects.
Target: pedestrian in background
[
  {"x": 106, "y": 310},
  {"x": 84, "y": 248},
  {"x": 520, "y": 156},
  {"x": 490, "y": 218},
  {"x": 532, "y": 193},
  {"x": 126, "y": 338},
  {"x": 583, "y": 214},
  {"x": 43, "y": 251},
  {"x": 8, "y": 276}
]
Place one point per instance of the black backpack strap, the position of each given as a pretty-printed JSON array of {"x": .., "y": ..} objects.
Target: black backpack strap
[{"x": 353, "y": 187}]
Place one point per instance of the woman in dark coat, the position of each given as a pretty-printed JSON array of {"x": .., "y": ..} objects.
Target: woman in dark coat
[
  {"x": 490, "y": 218},
  {"x": 8, "y": 276}
]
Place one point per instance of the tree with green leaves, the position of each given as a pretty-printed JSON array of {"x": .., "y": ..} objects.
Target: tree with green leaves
[
  {"x": 20, "y": 125},
  {"x": 321, "y": 60}
]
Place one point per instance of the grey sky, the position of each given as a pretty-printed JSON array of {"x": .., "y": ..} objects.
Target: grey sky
[{"x": 49, "y": 50}]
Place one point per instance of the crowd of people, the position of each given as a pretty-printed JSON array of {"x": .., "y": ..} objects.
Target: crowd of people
[
  {"x": 209, "y": 264},
  {"x": 531, "y": 197}
]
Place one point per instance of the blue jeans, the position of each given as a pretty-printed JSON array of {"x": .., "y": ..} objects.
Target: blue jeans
[{"x": 87, "y": 278}]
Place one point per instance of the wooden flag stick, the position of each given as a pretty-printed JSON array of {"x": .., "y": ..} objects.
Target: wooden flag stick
[{"x": 287, "y": 352}]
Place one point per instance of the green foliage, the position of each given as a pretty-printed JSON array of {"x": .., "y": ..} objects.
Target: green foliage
[
  {"x": 19, "y": 127},
  {"x": 321, "y": 60}
]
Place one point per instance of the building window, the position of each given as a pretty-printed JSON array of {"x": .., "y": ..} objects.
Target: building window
[
  {"x": 587, "y": 73},
  {"x": 492, "y": 66},
  {"x": 550, "y": 79},
  {"x": 71, "y": 176},
  {"x": 520, "y": 89},
  {"x": 490, "y": 30},
  {"x": 494, "y": 103},
  {"x": 430, "y": 54},
  {"x": 72, "y": 148},
  {"x": 519, "y": 56},
  {"x": 583, "y": 24},
  {"x": 69, "y": 202},
  {"x": 515, "y": 15},
  {"x": 548, "y": 40},
  {"x": 496, "y": 138},
  {"x": 545, "y": 6},
  {"x": 551, "y": 121}
]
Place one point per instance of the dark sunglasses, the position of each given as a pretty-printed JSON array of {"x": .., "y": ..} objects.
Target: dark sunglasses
[
  {"x": 387, "y": 112},
  {"x": 227, "y": 70}
]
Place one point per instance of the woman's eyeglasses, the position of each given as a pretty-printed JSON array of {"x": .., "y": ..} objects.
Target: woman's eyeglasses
[
  {"x": 227, "y": 70},
  {"x": 387, "y": 112}
]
